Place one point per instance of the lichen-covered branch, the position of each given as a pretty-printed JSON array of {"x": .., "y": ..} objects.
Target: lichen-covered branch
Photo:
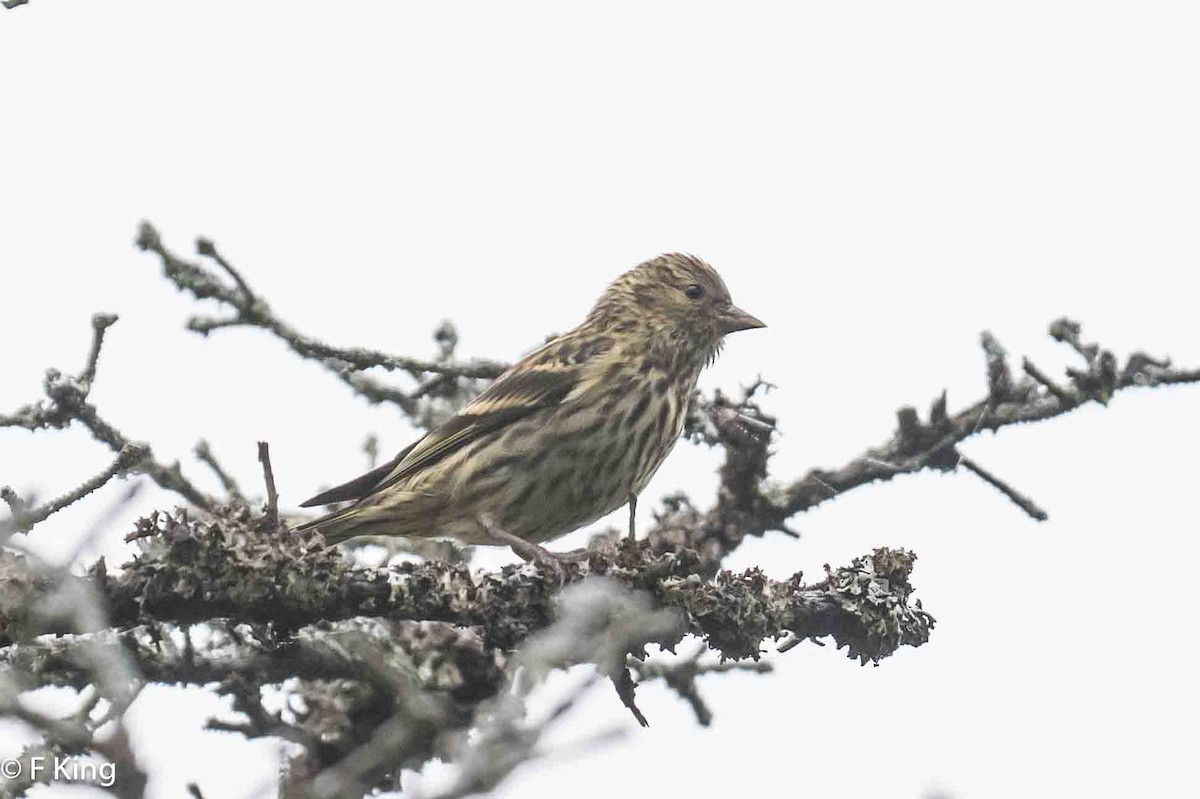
[
  {"x": 235, "y": 565},
  {"x": 277, "y": 606}
]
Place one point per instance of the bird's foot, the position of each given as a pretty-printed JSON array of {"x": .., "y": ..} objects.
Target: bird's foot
[{"x": 532, "y": 553}]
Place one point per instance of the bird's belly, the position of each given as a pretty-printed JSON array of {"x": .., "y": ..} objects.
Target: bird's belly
[{"x": 547, "y": 476}]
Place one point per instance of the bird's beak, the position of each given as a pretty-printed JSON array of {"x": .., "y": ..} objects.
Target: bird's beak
[{"x": 733, "y": 319}]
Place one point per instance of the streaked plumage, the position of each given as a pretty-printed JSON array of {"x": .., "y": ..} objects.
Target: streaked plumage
[{"x": 568, "y": 434}]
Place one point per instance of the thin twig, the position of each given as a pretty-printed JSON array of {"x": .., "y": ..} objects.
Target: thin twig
[
  {"x": 264, "y": 457},
  {"x": 1069, "y": 332},
  {"x": 100, "y": 323},
  {"x": 1020, "y": 500},
  {"x": 206, "y": 248},
  {"x": 205, "y": 455},
  {"x": 1031, "y": 369},
  {"x": 626, "y": 689},
  {"x": 1000, "y": 382},
  {"x": 680, "y": 675},
  {"x": 24, "y": 519}
]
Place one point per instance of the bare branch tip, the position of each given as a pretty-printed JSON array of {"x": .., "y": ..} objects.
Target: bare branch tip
[
  {"x": 147, "y": 237},
  {"x": 264, "y": 457},
  {"x": 1031, "y": 369},
  {"x": 1020, "y": 500}
]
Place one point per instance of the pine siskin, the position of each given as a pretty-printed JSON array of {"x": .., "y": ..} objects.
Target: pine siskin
[{"x": 569, "y": 433}]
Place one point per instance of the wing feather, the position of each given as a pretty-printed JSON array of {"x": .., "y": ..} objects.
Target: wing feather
[
  {"x": 542, "y": 380},
  {"x": 511, "y": 398},
  {"x": 360, "y": 486}
]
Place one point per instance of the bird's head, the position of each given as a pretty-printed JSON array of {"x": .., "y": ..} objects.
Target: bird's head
[{"x": 676, "y": 299}]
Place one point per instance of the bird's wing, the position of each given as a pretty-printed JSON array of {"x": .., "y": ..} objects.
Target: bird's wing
[
  {"x": 542, "y": 380},
  {"x": 503, "y": 403},
  {"x": 360, "y": 486}
]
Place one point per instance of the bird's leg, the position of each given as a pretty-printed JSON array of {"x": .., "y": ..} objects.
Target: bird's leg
[
  {"x": 632, "y": 517},
  {"x": 532, "y": 553},
  {"x": 526, "y": 550}
]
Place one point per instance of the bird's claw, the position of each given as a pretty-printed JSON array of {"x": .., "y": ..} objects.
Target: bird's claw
[{"x": 532, "y": 553}]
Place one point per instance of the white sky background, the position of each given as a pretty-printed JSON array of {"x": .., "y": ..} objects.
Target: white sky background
[{"x": 877, "y": 181}]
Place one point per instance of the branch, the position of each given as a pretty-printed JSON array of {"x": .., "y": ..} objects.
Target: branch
[
  {"x": 100, "y": 323},
  {"x": 61, "y": 660},
  {"x": 236, "y": 566},
  {"x": 1020, "y": 500},
  {"x": 680, "y": 675},
  {"x": 1031, "y": 369},
  {"x": 598, "y": 622},
  {"x": 290, "y": 592},
  {"x": 933, "y": 444},
  {"x": 999, "y": 377},
  {"x": 41, "y": 597},
  {"x": 264, "y": 457},
  {"x": 65, "y": 739},
  {"x": 67, "y": 402},
  {"x": 249, "y": 310},
  {"x": 23, "y": 519}
]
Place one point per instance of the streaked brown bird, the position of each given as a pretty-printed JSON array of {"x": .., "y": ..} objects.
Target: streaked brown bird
[{"x": 568, "y": 434}]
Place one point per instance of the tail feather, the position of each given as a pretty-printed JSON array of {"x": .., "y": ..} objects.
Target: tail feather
[
  {"x": 360, "y": 486},
  {"x": 337, "y": 526},
  {"x": 399, "y": 517}
]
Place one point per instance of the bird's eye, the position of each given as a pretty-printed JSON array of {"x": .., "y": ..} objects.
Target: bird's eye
[{"x": 693, "y": 292}]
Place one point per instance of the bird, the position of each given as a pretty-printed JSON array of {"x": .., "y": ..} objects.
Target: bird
[{"x": 565, "y": 436}]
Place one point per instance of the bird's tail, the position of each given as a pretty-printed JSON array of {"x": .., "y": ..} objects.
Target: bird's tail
[
  {"x": 396, "y": 518},
  {"x": 338, "y": 526}
]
